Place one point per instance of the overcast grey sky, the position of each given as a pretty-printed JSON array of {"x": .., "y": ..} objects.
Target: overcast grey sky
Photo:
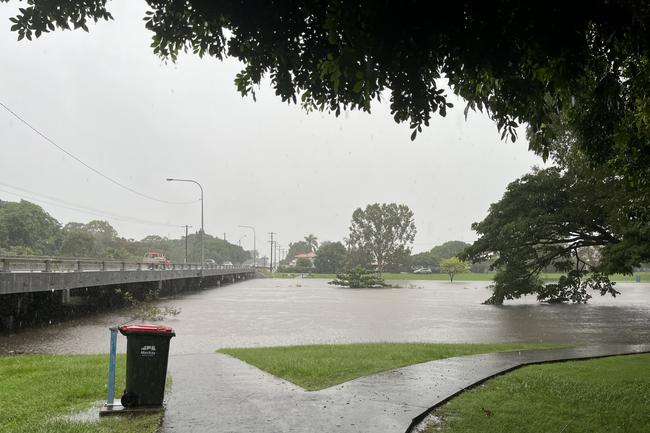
[{"x": 108, "y": 99}]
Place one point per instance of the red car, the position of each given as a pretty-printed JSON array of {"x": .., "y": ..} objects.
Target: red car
[{"x": 156, "y": 260}]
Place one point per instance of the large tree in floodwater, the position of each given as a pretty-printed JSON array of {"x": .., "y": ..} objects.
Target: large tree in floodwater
[
  {"x": 583, "y": 221},
  {"x": 383, "y": 231}
]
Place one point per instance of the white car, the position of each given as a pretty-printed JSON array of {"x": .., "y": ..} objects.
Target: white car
[{"x": 422, "y": 271}]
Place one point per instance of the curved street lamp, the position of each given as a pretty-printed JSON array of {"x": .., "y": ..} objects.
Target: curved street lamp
[
  {"x": 254, "y": 246},
  {"x": 171, "y": 179}
]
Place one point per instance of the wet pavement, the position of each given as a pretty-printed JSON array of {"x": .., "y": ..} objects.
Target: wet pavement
[
  {"x": 217, "y": 393},
  {"x": 267, "y": 312}
]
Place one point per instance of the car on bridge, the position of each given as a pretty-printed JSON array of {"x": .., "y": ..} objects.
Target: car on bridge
[{"x": 156, "y": 260}]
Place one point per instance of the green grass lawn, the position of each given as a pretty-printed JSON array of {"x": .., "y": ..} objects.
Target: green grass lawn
[
  {"x": 37, "y": 391},
  {"x": 597, "y": 396},
  {"x": 316, "y": 367},
  {"x": 469, "y": 276}
]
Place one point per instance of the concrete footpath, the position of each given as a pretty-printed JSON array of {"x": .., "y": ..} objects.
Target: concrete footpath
[{"x": 217, "y": 393}]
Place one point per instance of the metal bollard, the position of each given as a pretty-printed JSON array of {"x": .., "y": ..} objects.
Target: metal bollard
[{"x": 111, "y": 368}]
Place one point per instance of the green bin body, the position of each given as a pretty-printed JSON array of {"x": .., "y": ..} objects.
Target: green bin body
[{"x": 147, "y": 352}]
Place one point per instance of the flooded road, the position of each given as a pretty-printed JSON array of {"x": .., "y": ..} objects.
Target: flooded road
[{"x": 267, "y": 312}]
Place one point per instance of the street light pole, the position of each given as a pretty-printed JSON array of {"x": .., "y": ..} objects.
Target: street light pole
[
  {"x": 254, "y": 243},
  {"x": 171, "y": 179},
  {"x": 186, "y": 227}
]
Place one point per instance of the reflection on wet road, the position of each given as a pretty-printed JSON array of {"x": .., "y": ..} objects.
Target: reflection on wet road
[{"x": 266, "y": 312}]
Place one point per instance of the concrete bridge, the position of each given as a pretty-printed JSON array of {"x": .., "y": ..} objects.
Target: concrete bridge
[
  {"x": 36, "y": 288},
  {"x": 27, "y": 274}
]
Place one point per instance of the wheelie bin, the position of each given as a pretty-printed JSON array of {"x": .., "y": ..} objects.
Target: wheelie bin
[{"x": 147, "y": 352}]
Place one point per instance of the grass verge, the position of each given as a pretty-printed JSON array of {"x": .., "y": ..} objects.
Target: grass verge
[
  {"x": 601, "y": 395},
  {"x": 38, "y": 391},
  {"x": 316, "y": 367}
]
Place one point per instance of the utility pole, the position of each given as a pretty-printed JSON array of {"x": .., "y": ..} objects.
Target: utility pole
[
  {"x": 271, "y": 261},
  {"x": 186, "y": 228}
]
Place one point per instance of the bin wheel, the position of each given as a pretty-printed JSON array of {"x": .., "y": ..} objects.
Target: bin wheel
[{"x": 129, "y": 399}]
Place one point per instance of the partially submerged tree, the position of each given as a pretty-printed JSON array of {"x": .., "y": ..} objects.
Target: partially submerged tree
[
  {"x": 359, "y": 278},
  {"x": 453, "y": 266},
  {"x": 555, "y": 217},
  {"x": 384, "y": 231}
]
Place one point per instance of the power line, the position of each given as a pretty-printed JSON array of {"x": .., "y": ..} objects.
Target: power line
[
  {"x": 76, "y": 208},
  {"x": 95, "y": 213},
  {"x": 110, "y": 179}
]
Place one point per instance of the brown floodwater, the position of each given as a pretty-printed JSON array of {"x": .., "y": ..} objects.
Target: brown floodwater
[{"x": 270, "y": 312}]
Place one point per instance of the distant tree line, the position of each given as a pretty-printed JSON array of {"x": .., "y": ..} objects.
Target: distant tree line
[
  {"x": 379, "y": 239},
  {"x": 334, "y": 257},
  {"x": 26, "y": 229},
  {"x": 433, "y": 258}
]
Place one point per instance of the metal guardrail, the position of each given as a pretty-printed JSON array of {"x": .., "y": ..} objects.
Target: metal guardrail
[{"x": 56, "y": 264}]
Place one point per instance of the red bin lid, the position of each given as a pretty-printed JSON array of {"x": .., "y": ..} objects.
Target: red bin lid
[{"x": 146, "y": 329}]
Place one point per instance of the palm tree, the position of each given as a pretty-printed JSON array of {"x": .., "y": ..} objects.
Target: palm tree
[{"x": 312, "y": 243}]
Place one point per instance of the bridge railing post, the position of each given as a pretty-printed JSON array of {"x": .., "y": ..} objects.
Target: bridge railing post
[
  {"x": 79, "y": 266},
  {"x": 139, "y": 267},
  {"x": 123, "y": 267},
  {"x": 102, "y": 266},
  {"x": 48, "y": 265},
  {"x": 5, "y": 265}
]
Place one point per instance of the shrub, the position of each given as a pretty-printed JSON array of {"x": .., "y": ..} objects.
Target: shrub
[{"x": 357, "y": 278}]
